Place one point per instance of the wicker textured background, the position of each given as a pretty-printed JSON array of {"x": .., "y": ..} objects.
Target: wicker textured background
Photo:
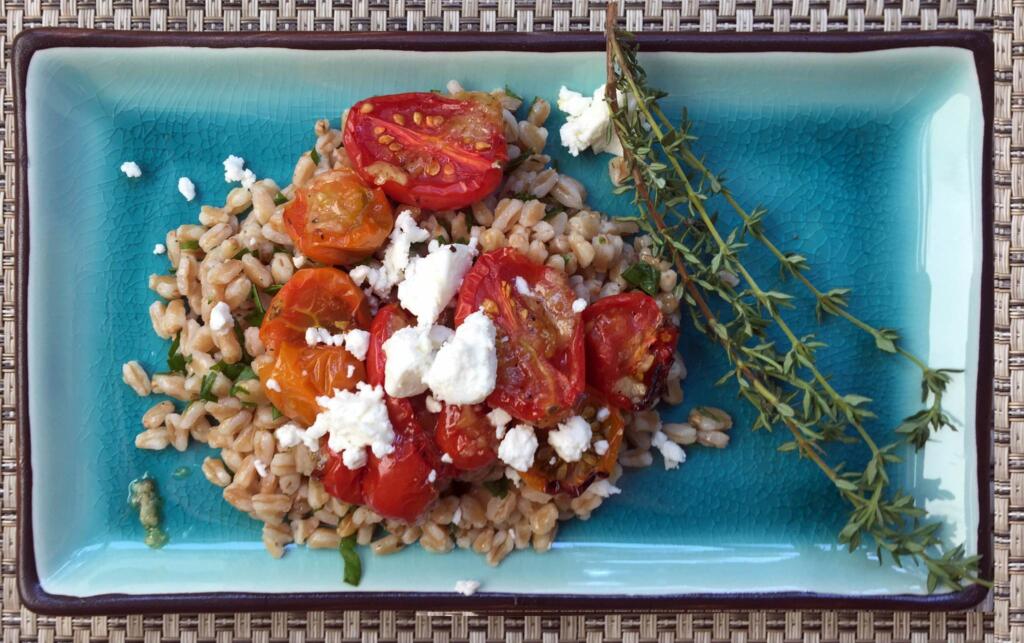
[{"x": 1002, "y": 617}]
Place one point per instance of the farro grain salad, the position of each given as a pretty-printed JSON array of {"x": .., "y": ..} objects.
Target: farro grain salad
[{"x": 427, "y": 336}]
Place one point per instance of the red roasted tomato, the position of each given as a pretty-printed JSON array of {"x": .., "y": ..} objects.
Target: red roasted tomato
[
  {"x": 630, "y": 347},
  {"x": 467, "y": 436},
  {"x": 573, "y": 478},
  {"x": 424, "y": 149},
  {"x": 340, "y": 481},
  {"x": 324, "y": 297},
  {"x": 540, "y": 338},
  {"x": 337, "y": 218}
]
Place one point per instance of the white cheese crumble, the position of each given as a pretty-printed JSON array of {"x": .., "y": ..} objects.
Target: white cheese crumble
[
  {"x": 571, "y": 439},
  {"x": 447, "y": 459},
  {"x": 522, "y": 287},
  {"x": 603, "y": 488},
  {"x": 351, "y": 369},
  {"x": 290, "y": 435},
  {"x": 298, "y": 261},
  {"x": 671, "y": 453},
  {"x": 603, "y": 414},
  {"x": 319, "y": 335},
  {"x": 131, "y": 169},
  {"x": 433, "y": 405},
  {"x": 467, "y": 587},
  {"x": 431, "y": 281},
  {"x": 234, "y": 169},
  {"x": 357, "y": 342},
  {"x": 403, "y": 235},
  {"x": 220, "y": 318},
  {"x": 499, "y": 419},
  {"x": 432, "y": 476},
  {"x": 601, "y": 447},
  {"x": 260, "y": 467},
  {"x": 187, "y": 188},
  {"x": 410, "y": 352},
  {"x": 518, "y": 447},
  {"x": 579, "y": 305},
  {"x": 457, "y": 516},
  {"x": 159, "y": 249},
  {"x": 273, "y": 385},
  {"x": 588, "y": 123},
  {"x": 353, "y": 421},
  {"x": 465, "y": 369},
  {"x": 248, "y": 179}
]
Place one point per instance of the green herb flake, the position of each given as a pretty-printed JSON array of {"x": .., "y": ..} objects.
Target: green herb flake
[
  {"x": 280, "y": 198},
  {"x": 498, "y": 488},
  {"x": 241, "y": 253},
  {"x": 315, "y": 156},
  {"x": 188, "y": 244},
  {"x": 353, "y": 566},
  {"x": 273, "y": 288},
  {"x": 181, "y": 473},
  {"x": 176, "y": 362},
  {"x": 512, "y": 94},
  {"x": 644, "y": 276},
  {"x": 206, "y": 389},
  {"x": 245, "y": 375},
  {"x": 144, "y": 496},
  {"x": 255, "y": 318},
  {"x": 275, "y": 413}
]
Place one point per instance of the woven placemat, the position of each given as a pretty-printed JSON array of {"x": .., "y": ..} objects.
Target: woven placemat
[{"x": 999, "y": 618}]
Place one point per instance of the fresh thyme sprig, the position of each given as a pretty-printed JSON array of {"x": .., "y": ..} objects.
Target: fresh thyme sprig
[{"x": 780, "y": 378}]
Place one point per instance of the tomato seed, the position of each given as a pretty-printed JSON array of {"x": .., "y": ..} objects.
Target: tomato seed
[
  {"x": 366, "y": 108},
  {"x": 398, "y": 118}
]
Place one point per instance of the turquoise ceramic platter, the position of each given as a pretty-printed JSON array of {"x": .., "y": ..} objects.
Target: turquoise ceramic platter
[{"x": 870, "y": 155}]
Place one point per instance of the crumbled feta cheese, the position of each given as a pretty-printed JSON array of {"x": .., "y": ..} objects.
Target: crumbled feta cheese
[
  {"x": 588, "y": 123},
  {"x": 513, "y": 476},
  {"x": 159, "y": 249},
  {"x": 248, "y": 179},
  {"x": 518, "y": 447},
  {"x": 187, "y": 188},
  {"x": 603, "y": 488},
  {"x": 351, "y": 369},
  {"x": 553, "y": 460},
  {"x": 291, "y": 435},
  {"x": 571, "y": 439},
  {"x": 220, "y": 318},
  {"x": 579, "y": 305},
  {"x": 433, "y": 405},
  {"x": 353, "y": 421},
  {"x": 234, "y": 169},
  {"x": 457, "y": 516},
  {"x": 431, "y": 281},
  {"x": 499, "y": 419},
  {"x": 410, "y": 352},
  {"x": 603, "y": 414},
  {"x": 522, "y": 287},
  {"x": 447, "y": 459},
  {"x": 317, "y": 335},
  {"x": 260, "y": 467},
  {"x": 465, "y": 369},
  {"x": 601, "y": 447},
  {"x": 403, "y": 235},
  {"x": 671, "y": 452},
  {"x": 357, "y": 342},
  {"x": 432, "y": 476},
  {"x": 298, "y": 261},
  {"x": 272, "y": 385},
  {"x": 359, "y": 274},
  {"x": 467, "y": 587},
  {"x": 131, "y": 169}
]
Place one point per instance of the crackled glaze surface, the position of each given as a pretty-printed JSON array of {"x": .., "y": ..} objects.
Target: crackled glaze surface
[{"x": 870, "y": 165}]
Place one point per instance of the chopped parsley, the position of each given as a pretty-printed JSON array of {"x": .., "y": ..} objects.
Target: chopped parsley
[
  {"x": 313, "y": 154},
  {"x": 280, "y": 199},
  {"x": 498, "y": 488},
  {"x": 642, "y": 275},
  {"x": 353, "y": 566}
]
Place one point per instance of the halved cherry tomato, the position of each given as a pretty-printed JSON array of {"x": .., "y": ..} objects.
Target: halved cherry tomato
[
  {"x": 340, "y": 481},
  {"x": 424, "y": 149},
  {"x": 573, "y": 478},
  {"x": 398, "y": 485},
  {"x": 467, "y": 436},
  {"x": 540, "y": 338},
  {"x": 630, "y": 348},
  {"x": 324, "y": 297},
  {"x": 302, "y": 373},
  {"x": 338, "y": 219}
]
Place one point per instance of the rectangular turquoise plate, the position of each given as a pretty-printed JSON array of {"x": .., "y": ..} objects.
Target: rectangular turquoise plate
[{"x": 871, "y": 155}]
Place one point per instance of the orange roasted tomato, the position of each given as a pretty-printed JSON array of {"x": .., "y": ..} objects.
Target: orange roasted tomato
[
  {"x": 630, "y": 347},
  {"x": 303, "y": 373},
  {"x": 467, "y": 436},
  {"x": 540, "y": 338},
  {"x": 324, "y": 297},
  {"x": 338, "y": 219},
  {"x": 573, "y": 478},
  {"x": 424, "y": 149}
]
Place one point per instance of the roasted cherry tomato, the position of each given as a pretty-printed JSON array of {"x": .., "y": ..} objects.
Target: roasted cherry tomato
[
  {"x": 340, "y": 481},
  {"x": 467, "y": 436},
  {"x": 424, "y": 149},
  {"x": 338, "y": 219},
  {"x": 573, "y": 478},
  {"x": 540, "y": 338},
  {"x": 398, "y": 485},
  {"x": 302, "y": 373},
  {"x": 324, "y": 297},
  {"x": 630, "y": 347}
]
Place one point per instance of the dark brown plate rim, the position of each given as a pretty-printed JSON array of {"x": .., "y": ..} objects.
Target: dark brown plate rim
[{"x": 35, "y": 598}]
